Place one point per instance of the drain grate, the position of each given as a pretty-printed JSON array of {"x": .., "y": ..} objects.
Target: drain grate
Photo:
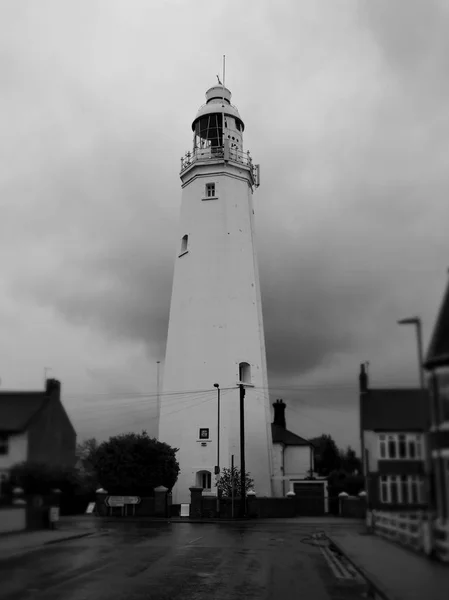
[{"x": 340, "y": 567}]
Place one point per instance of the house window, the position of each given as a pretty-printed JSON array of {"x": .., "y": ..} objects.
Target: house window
[
  {"x": 400, "y": 446},
  {"x": 204, "y": 479},
  {"x": 204, "y": 433},
  {"x": 382, "y": 446},
  {"x": 394, "y": 489},
  {"x": 392, "y": 444},
  {"x": 384, "y": 490},
  {"x": 244, "y": 372},
  {"x": 4, "y": 444},
  {"x": 210, "y": 190},
  {"x": 404, "y": 489},
  {"x": 184, "y": 243}
]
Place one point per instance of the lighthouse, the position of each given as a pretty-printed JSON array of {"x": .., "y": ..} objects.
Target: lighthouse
[{"x": 215, "y": 338}]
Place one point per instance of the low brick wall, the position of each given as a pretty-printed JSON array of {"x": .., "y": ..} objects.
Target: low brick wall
[
  {"x": 262, "y": 508},
  {"x": 353, "y": 507},
  {"x": 12, "y": 519}
]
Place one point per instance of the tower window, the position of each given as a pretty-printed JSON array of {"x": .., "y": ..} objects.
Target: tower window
[
  {"x": 244, "y": 372},
  {"x": 204, "y": 479},
  {"x": 210, "y": 190},
  {"x": 184, "y": 243}
]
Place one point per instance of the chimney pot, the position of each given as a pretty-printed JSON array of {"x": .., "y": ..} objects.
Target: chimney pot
[
  {"x": 53, "y": 386},
  {"x": 279, "y": 413},
  {"x": 363, "y": 379}
]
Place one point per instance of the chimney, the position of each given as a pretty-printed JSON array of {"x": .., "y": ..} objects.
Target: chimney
[
  {"x": 53, "y": 387},
  {"x": 279, "y": 414},
  {"x": 363, "y": 379}
]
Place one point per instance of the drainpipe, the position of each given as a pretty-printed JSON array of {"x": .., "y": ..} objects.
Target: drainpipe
[{"x": 283, "y": 471}]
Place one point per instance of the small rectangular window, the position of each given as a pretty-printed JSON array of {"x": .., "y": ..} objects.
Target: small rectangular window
[
  {"x": 414, "y": 489},
  {"x": 207, "y": 480},
  {"x": 184, "y": 244},
  {"x": 418, "y": 446},
  {"x": 404, "y": 489},
  {"x": 382, "y": 447},
  {"x": 210, "y": 190},
  {"x": 394, "y": 489},
  {"x": 411, "y": 448},
  {"x": 402, "y": 446},
  {"x": 391, "y": 446},
  {"x": 384, "y": 496}
]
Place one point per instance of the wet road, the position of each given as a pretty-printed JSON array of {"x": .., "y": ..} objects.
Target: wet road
[{"x": 163, "y": 561}]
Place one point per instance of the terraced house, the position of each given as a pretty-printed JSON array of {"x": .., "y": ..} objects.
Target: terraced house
[
  {"x": 437, "y": 366},
  {"x": 393, "y": 428}
]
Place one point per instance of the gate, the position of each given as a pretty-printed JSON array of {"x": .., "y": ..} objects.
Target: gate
[{"x": 309, "y": 499}]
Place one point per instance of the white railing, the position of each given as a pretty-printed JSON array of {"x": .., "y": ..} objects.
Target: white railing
[
  {"x": 441, "y": 539},
  {"x": 405, "y": 528},
  {"x": 216, "y": 153},
  {"x": 415, "y": 530}
]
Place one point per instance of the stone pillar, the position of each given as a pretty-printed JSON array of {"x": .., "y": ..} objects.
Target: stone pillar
[
  {"x": 100, "y": 502},
  {"x": 160, "y": 501},
  {"x": 341, "y": 498},
  {"x": 196, "y": 502},
  {"x": 252, "y": 504}
]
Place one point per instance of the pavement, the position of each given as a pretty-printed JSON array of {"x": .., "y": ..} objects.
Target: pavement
[
  {"x": 16, "y": 544},
  {"x": 395, "y": 572}
]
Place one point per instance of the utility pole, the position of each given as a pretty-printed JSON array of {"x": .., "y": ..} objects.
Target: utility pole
[
  {"x": 242, "y": 453},
  {"x": 158, "y": 397},
  {"x": 416, "y": 321}
]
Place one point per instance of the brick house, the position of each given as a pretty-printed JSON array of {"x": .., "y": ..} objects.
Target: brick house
[
  {"x": 437, "y": 367},
  {"x": 393, "y": 430},
  {"x": 35, "y": 426}
]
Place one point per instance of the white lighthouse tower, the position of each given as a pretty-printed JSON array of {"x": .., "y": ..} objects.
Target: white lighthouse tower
[{"x": 216, "y": 333}]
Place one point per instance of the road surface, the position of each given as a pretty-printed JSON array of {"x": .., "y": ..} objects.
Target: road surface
[{"x": 163, "y": 561}]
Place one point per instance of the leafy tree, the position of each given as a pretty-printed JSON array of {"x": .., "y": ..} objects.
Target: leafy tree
[
  {"x": 227, "y": 477},
  {"x": 41, "y": 478},
  {"x": 87, "y": 475},
  {"x": 341, "y": 481},
  {"x": 326, "y": 454},
  {"x": 135, "y": 463},
  {"x": 350, "y": 461}
]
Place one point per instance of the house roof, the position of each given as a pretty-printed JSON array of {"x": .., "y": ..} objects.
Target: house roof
[
  {"x": 438, "y": 352},
  {"x": 395, "y": 409},
  {"x": 284, "y": 436},
  {"x": 18, "y": 408}
]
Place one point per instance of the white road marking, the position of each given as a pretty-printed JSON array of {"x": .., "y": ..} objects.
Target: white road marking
[{"x": 195, "y": 540}]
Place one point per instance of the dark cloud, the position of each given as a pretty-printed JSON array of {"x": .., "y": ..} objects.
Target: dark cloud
[{"x": 345, "y": 110}]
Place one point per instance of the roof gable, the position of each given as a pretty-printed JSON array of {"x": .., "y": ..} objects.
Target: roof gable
[
  {"x": 438, "y": 352},
  {"x": 284, "y": 436},
  {"x": 17, "y": 409}
]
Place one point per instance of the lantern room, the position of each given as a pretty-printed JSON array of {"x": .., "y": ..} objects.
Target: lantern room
[{"x": 208, "y": 124}]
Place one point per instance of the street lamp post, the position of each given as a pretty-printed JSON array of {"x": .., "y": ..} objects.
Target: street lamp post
[
  {"x": 217, "y": 468},
  {"x": 416, "y": 321}
]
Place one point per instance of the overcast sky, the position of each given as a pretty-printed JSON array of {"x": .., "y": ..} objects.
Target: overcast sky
[{"x": 346, "y": 110}]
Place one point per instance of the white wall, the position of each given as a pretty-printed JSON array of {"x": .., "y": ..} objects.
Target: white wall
[
  {"x": 216, "y": 323},
  {"x": 12, "y": 519},
  {"x": 17, "y": 452},
  {"x": 297, "y": 460}
]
